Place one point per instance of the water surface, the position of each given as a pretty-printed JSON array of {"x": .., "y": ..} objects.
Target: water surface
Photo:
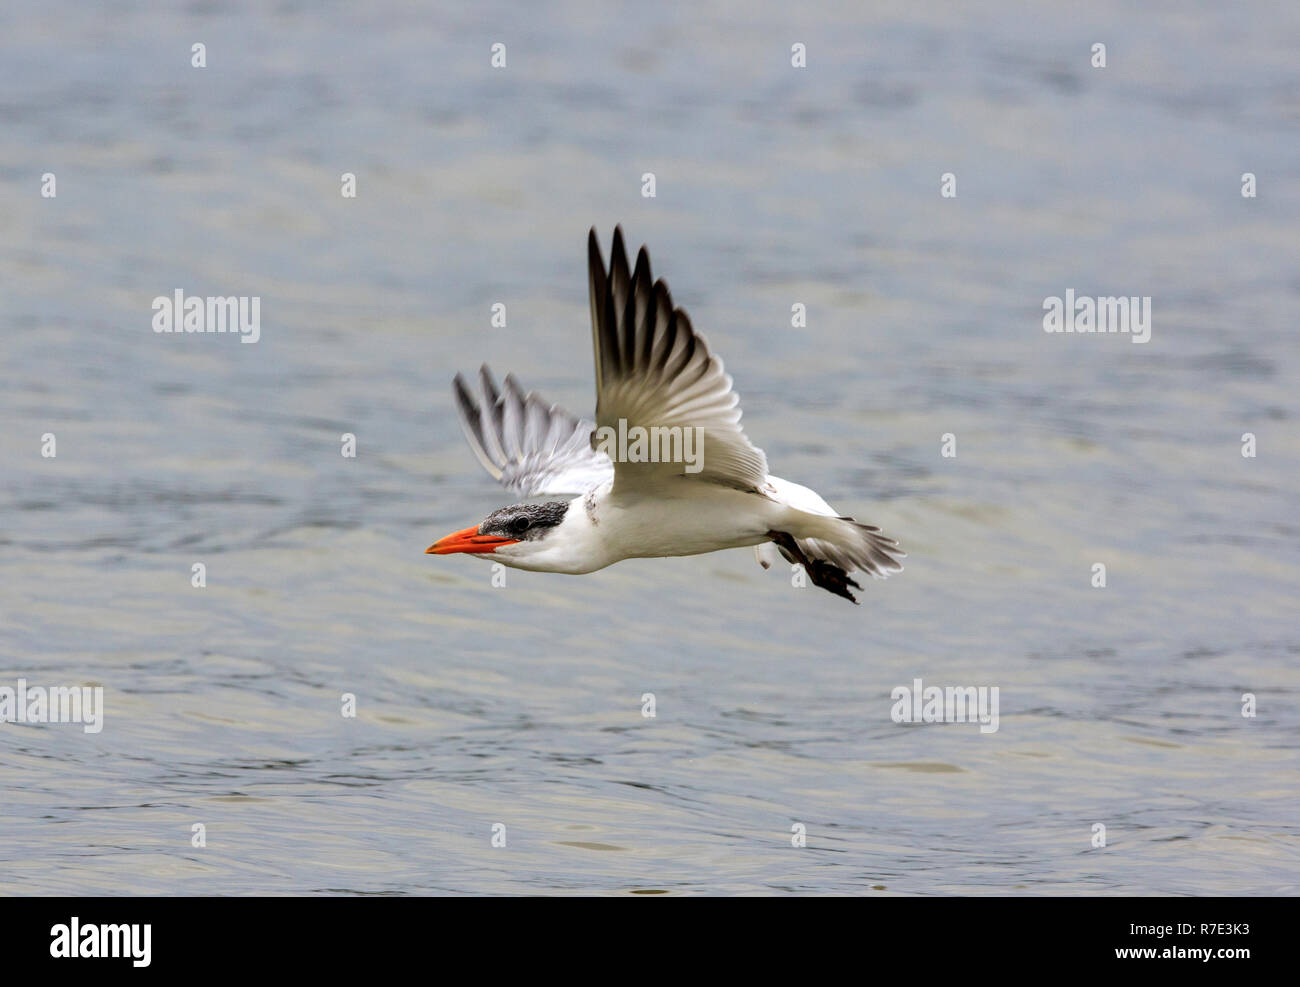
[{"x": 522, "y": 705}]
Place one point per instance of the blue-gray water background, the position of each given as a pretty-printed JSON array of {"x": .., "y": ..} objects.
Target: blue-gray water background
[{"x": 522, "y": 705}]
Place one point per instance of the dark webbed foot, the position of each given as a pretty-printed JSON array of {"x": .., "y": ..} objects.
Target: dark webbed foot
[
  {"x": 832, "y": 577},
  {"x": 828, "y": 576}
]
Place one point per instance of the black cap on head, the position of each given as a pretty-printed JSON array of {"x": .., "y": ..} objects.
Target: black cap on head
[{"x": 525, "y": 522}]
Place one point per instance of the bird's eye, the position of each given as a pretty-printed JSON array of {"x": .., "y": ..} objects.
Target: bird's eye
[{"x": 519, "y": 525}]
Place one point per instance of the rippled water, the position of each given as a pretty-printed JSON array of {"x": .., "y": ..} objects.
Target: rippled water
[{"x": 522, "y": 705}]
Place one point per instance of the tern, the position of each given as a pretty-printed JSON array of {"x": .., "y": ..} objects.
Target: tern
[{"x": 655, "y": 376}]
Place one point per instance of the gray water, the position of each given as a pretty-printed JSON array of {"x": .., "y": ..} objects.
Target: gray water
[{"x": 522, "y": 705}]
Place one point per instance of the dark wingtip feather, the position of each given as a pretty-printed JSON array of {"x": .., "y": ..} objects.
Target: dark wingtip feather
[
  {"x": 471, "y": 423},
  {"x": 642, "y": 270},
  {"x": 488, "y": 383},
  {"x": 668, "y": 330},
  {"x": 641, "y": 290},
  {"x": 617, "y": 249},
  {"x": 595, "y": 263},
  {"x": 668, "y": 295},
  {"x": 511, "y": 384},
  {"x": 618, "y": 283},
  {"x": 465, "y": 399}
]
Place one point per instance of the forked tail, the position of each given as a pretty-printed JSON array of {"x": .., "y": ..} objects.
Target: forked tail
[{"x": 829, "y": 548}]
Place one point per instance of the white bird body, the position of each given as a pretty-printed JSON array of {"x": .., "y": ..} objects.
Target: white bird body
[
  {"x": 605, "y": 526},
  {"x": 654, "y": 373}
]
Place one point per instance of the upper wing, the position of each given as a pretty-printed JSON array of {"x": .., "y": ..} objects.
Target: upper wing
[
  {"x": 654, "y": 369},
  {"x": 528, "y": 446}
]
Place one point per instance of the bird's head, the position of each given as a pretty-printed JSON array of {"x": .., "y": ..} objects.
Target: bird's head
[{"x": 510, "y": 535}]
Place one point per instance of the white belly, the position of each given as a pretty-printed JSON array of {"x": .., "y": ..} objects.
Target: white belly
[
  {"x": 683, "y": 517},
  {"x": 702, "y": 518}
]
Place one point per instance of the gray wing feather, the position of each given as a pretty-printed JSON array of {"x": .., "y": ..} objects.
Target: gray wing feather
[
  {"x": 527, "y": 445},
  {"x": 654, "y": 370}
]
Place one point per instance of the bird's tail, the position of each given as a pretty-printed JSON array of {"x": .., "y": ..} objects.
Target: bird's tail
[
  {"x": 842, "y": 542},
  {"x": 828, "y": 546}
]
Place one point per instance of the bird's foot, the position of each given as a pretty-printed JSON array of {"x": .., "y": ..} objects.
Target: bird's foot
[{"x": 827, "y": 575}]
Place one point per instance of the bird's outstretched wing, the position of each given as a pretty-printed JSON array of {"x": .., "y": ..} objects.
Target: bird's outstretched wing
[
  {"x": 654, "y": 370},
  {"x": 527, "y": 445}
]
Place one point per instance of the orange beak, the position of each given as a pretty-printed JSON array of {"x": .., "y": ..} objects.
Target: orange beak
[{"x": 468, "y": 540}]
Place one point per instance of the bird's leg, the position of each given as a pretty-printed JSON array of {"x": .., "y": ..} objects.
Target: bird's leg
[{"x": 828, "y": 576}]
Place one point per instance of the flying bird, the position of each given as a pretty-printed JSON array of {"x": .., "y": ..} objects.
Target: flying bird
[{"x": 689, "y": 481}]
